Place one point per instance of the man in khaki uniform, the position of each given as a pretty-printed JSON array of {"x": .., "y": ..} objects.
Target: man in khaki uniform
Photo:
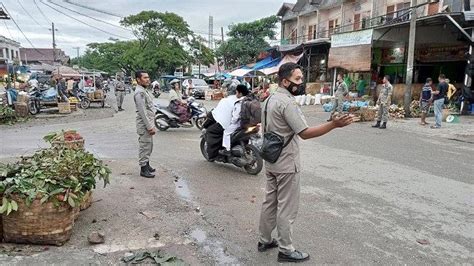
[
  {"x": 145, "y": 122},
  {"x": 384, "y": 101},
  {"x": 119, "y": 93},
  {"x": 280, "y": 207},
  {"x": 341, "y": 92}
]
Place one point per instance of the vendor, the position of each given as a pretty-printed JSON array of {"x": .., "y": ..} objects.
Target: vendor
[{"x": 361, "y": 84}]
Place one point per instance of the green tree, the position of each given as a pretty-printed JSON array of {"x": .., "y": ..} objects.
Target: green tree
[
  {"x": 164, "y": 42},
  {"x": 247, "y": 40}
]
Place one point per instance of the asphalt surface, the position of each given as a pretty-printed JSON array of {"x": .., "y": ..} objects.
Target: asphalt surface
[{"x": 368, "y": 196}]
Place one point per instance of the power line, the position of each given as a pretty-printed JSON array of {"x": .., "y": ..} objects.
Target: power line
[
  {"x": 8, "y": 29},
  {"x": 80, "y": 21},
  {"x": 28, "y": 13},
  {"x": 92, "y": 8},
  {"x": 41, "y": 12},
  {"x": 16, "y": 24},
  {"x": 91, "y": 17}
]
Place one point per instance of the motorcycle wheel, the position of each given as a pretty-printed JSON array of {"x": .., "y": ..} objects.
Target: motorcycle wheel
[
  {"x": 33, "y": 107},
  {"x": 158, "y": 125},
  {"x": 200, "y": 123},
  {"x": 256, "y": 167},
  {"x": 85, "y": 103},
  {"x": 204, "y": 149}
]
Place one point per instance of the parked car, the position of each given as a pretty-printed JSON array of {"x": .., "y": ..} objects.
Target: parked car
[{"x": 199, "y": 88}]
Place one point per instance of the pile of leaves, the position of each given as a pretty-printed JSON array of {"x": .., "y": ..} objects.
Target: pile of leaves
[
  {"x": 396, "y": 112},
  {"x": 68, "y": 135},
  {"x": 157, "y": 256},
  {"x": 51, "y": 175},
  {"x": 7, "y": 115},
  {"x": 415, "y": 109}
]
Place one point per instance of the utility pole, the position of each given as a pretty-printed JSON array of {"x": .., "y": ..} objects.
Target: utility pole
[
  {"x": 222, "y": 36},
  {"x": 54, "y": 42},
  {"x": 78, "y": 52},
  {"x": 411, "y": 57}
]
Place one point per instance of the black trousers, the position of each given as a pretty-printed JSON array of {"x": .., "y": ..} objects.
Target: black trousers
[{"x": 215, "y": 133}]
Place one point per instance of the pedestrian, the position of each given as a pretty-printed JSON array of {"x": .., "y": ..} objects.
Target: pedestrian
[
  {"x": 361, "y": 84},
  {"x": 189, "y": 88},
  {"x": 425, "y": 100},
  {"x": 439, "y": 97},
  {"x": 341, "y": 92},
  {"x": 451, "y": 90},
  {"x": 384, "y": 101},
  {"x": 283, "y": 117},
  {"x": 145, "y": 122},
  {"x": 120, "y": 93}
]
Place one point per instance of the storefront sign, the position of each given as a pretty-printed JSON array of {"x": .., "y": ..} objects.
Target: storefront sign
[
  {"x": 441, "y": 54},
  {"x": 352, "y": 38}
]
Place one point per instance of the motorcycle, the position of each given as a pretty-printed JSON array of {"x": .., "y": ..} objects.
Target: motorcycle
[
  {"x": 244, "y": 152},
  {"x": 165, "y": 119},
  {"x": 40, "y": 97}
]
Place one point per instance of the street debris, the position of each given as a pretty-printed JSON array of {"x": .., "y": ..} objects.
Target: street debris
[
  {"x": 156, "y": 236},
  {"x": 149, "y": 214},
  {"x": 423, "y": 241},
  {"x": 157, "y": 256},
  {"x": 96, "y": 238}
]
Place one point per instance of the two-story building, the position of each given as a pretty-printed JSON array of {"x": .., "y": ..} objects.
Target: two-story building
[
  {"x": 9, "y": 53},
  {"x": 371, "y": 37}
]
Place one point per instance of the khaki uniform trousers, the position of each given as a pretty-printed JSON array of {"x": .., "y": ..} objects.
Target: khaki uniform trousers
[
  {"x": 145, "y": 144},
  {"x": 280, "y": 208}
]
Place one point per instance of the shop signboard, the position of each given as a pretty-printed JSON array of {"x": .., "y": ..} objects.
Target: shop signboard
[
  {"x": 363, "y": 37},
  {"x": 441, "y": 54},
  {"x": 394, "y": 55}
]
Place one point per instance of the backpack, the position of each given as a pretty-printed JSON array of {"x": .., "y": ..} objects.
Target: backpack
[{"x": 250, "y": 112}]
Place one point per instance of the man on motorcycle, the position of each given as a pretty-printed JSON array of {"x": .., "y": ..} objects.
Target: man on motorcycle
[
  {"x": 242, "y": 92},
  {"x": 177, "y": 104},
  {"x": 221, "y": 118}
]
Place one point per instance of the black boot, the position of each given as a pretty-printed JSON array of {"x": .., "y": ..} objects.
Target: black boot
[
  {"x": 377, "y": 125},
  {"x": 383, "y": 126},
  {"x": 151, "y": 169},
  {"x": 145, "y": 172}
]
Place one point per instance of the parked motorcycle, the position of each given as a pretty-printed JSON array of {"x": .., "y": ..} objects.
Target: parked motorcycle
[
  {"x": 40, "y": 97},
  {"x": 244, "y": 152},
  {"x": 165, "y": 118}
]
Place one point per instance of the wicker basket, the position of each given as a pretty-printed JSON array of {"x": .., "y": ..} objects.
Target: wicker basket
[
  {"x": 367, "y": 114},
  {"x": 75, "y": 144},
  {"x": 39, "y": 223},
  {"x": 86, "y": 201},
  {"x": 64, "y": 108}
]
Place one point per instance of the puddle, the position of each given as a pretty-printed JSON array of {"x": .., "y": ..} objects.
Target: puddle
[
  {"x": 182, "y": 189},
  {"x": 213, "y": 247}
]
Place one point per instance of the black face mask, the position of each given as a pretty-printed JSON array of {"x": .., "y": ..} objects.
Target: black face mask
[{"x": 296, "y": 89}]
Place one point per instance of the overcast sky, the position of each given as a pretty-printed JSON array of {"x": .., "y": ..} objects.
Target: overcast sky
[{"x": 72, "y": 33}]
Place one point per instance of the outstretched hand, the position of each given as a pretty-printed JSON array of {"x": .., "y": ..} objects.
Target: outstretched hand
[{"x": 342, "y": 121}]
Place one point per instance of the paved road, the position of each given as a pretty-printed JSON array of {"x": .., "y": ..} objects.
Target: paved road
[{"x": 368, "y": 195}]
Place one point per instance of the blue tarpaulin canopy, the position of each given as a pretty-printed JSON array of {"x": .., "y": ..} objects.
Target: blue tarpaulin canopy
[{"x": 262, "y": 64}]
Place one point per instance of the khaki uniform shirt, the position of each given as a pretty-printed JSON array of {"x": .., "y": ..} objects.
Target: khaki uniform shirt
[
  {"x": 341, "y": 89},
  {"x": 145, "y": 108},
  {"x": 385, "y": 96},
  {"x": 285, "y": 118}
]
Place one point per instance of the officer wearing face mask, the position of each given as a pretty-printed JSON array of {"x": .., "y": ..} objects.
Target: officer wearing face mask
[{"x": 285, "y": 118}]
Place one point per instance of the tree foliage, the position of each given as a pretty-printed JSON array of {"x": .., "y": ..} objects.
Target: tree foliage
[
  {"x": 164, "y": 42},
  {"x": 247, "y": 40}
]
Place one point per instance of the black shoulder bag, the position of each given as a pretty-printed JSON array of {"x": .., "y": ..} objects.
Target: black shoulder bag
[{"x": 273, "y": 144}]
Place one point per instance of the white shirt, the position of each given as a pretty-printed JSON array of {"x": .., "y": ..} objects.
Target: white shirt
[
  {"x": 223, "y": 112},
  {"x": 33, "y": 83},
  {"x": 235, "y": 120}
]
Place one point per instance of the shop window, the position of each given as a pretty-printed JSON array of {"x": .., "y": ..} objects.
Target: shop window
[
  {"x": 403, "y": 12},
  {"x": 357, "y": 22}
]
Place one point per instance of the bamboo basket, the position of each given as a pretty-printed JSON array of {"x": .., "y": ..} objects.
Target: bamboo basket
[
  {"x": 86, "y": 201},
  {"x": 75, "y": 144},
  {"x": 42, "y": 224},
  {"x": 367, "y": 114}
]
